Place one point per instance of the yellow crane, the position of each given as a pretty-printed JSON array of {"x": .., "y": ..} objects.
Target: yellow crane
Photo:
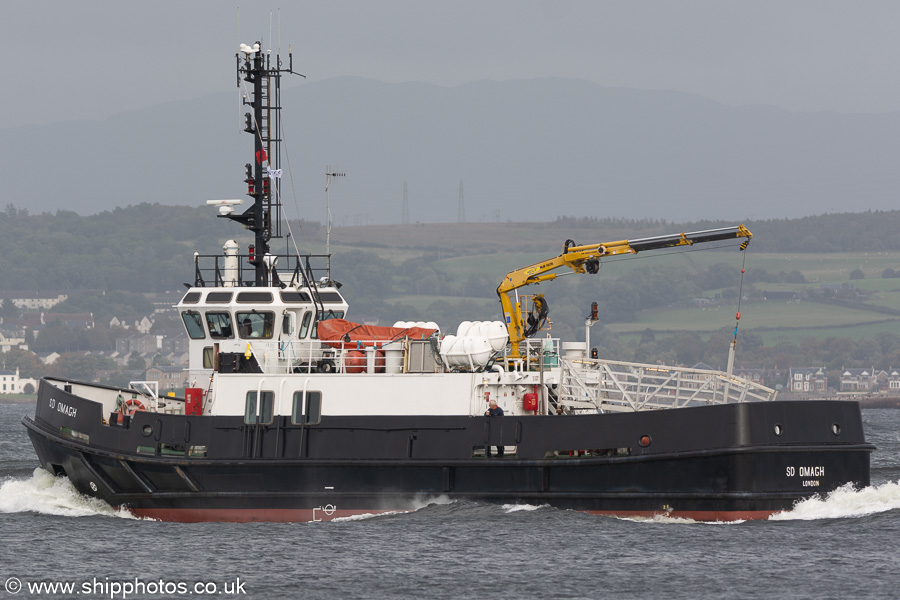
[{"x": 586, "y": 259}]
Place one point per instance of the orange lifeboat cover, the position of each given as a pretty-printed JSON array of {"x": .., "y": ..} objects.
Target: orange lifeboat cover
[{"x": 339, "y": 333}]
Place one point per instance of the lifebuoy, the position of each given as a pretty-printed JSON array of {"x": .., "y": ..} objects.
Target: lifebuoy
[{"x": 132, "y": 406}]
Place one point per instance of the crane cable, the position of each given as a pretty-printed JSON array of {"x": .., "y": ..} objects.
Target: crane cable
[{"x": 737, "y": 317}]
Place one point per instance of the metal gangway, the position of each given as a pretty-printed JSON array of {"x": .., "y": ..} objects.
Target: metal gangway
[{"x": 594, "y": 385}]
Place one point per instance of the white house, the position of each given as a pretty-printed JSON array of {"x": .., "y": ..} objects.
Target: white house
[
  {"x": 10, "y": 339},
  {"x": 37, "y": 301},
  {"x": 9, "y": 382},
  {"x": 808, "y": 379}
]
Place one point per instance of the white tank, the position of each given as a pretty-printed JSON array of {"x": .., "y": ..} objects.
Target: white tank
[
  {"x": 465, "y": 351},
  {"x": 478, "y": 349},
  {"x": 574, "y": 350},
  {"x": 230, "y": 272},
  {"x": 393, "y": 356},
  {"x": 494, "y": 331}
]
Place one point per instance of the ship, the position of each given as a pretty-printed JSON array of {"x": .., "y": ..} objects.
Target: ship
[{"x": 296, "y": 413}]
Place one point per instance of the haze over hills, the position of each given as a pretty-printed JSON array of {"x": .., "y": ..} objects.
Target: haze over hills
[{"x": 526, "y": 150}]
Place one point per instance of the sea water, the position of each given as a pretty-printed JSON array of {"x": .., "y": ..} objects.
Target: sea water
[{"x": 845, "y": 545}]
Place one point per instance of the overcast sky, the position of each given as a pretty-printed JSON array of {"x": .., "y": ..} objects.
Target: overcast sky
[{"x": 91, "y": 59}]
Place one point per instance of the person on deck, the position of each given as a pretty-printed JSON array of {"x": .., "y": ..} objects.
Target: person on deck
[
  {"x": 246, "y": 328},
  {"x": 494, "y": 411}
]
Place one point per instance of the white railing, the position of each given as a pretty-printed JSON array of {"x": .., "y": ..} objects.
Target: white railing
[
  {"x": 605, "y": 385},
  {"x": 278, "y": 358},
  {"x": 149, "y": 390},
  {"x": 537, "y": 354}
]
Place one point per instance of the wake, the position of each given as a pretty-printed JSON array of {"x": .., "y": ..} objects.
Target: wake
[
  {"x": 845, "y": 502},
  {"x": 45, "y": 494}
]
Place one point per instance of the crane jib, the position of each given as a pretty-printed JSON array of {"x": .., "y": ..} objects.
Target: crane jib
[{"x": 679, "y": 239}]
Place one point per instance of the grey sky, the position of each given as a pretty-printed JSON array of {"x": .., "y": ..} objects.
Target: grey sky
[{"x": 88, "y": 60}]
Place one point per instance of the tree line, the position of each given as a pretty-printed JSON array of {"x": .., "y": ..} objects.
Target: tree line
[{"x": 148, "y": 247}]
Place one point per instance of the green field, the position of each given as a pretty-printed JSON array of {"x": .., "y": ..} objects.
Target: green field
[
  {"x": 754, "y": 315},
  {"x": 816, "y": 268},
  {"x": 422, "y": 302},
  {"x": 771, "y": 319},
  {"x": 485, "y": 252}
]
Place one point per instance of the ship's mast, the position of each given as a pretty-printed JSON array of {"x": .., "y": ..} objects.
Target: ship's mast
[{"x": 261, "y": 81}]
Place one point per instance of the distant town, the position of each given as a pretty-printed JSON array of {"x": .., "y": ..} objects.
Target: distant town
[
  {"x": 151, "y": 347},
  {"x": 154, "y": 347}
]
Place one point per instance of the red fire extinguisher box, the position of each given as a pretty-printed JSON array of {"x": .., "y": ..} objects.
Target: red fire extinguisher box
[{"x": 193, "y": 401}]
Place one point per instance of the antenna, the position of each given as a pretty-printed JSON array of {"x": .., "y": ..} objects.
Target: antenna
[
  {"x": 240, "y": 98},
  {"x": 260, "y": 81},
  {"x": 330, "y": 173},
  {"x": 405, "y": 217},
  {"x": 225, "y": 205}
]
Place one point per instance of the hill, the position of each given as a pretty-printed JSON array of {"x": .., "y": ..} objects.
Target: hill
[
  {"x": 527, "y": 150},
  {"x": 839, "y": 307}
]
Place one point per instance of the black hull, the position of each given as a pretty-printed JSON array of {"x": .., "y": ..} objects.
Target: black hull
[{"x": 709, "y": 463}]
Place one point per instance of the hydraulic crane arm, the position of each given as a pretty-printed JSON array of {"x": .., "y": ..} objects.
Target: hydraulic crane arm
[{"x": 586, "y": 259}]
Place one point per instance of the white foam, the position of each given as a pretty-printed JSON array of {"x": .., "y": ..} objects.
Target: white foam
[
  {"x": 511, "y": 508},
  {"x": 658, "y": 518},
  {"x": 845, "y": 502},
  {"x": 366, "y": 516},
  {"x": 423, "y": 502},
  {"x": 45, "y": 494},
  {"x": 417, "y": 505}
]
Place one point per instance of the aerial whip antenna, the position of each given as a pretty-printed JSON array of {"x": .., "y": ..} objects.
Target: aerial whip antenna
[
  {"x": 255, "y": 69},
  {"x": 330, "y": 174}
]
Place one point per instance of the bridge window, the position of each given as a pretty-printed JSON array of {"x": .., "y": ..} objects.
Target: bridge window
[
  {"x": 251, "y": 297},
  {"x": 209, "y": 357},
  {"x": 287, "y": 323},
  {"x": 255, "y": 324},
  {"x": 294, "y": 297},
  {"x": 304, "y": 327},
  {"x": 218, "y": 297},
  {"x": 194, "y": 324},
  {"x": 219, "y": 324}
]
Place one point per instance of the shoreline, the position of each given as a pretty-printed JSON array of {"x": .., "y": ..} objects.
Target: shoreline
[{"x": 18, "y": 399}]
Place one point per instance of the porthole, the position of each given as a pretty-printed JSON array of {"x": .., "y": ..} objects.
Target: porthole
[
  {"x": 778, "y": 429},
  {"x": 836, "y": 429},
  {"x": 147, "y": 430}
]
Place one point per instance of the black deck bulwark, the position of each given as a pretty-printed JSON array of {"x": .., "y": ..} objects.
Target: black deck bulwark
[{"x": 711, "y": 458}]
